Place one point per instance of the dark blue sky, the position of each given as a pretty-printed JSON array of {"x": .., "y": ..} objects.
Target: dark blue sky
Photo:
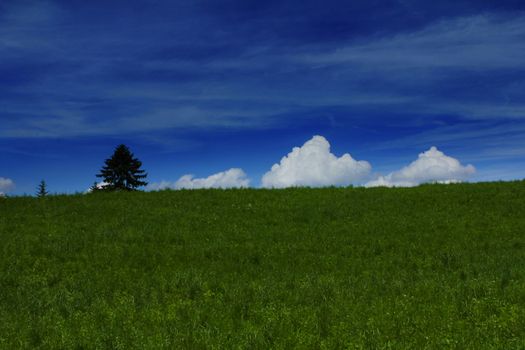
[{"x": 203, "y": 86}]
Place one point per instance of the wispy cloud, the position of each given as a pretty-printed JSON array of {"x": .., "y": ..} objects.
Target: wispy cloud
[
  {"x": 466, "y": 66},
  {"x": 474, "y": 42},
  {"x": 208, "y": 84}
]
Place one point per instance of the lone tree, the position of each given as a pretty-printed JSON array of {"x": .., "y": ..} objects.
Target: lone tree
[
  {"x": 122, "y": 171},
  {"x": 42, "y": 189}
]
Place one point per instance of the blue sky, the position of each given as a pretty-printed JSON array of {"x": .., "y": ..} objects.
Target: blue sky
[{"x": 199, "y": 87}]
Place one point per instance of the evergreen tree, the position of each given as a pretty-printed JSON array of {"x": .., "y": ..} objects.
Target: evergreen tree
[
  {"x": 42, "y": 189},
  {"x": 122, "y": 171}
]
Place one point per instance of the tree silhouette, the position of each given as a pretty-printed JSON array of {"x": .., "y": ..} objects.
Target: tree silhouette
[
  {"x": 42, "y": 189},
  {"x": 122, "y": 171}
]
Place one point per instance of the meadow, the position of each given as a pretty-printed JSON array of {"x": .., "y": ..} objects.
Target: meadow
[{"x": 436, "y": 266}]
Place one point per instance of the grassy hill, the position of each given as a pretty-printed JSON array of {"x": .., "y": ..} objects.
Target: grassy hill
[{"x": 437, "y": 266}]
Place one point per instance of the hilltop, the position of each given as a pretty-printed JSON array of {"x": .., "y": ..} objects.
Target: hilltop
[{"x": 436, "y": 266}]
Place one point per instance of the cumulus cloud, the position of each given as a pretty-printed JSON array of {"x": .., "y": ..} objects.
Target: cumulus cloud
[
  {"x": 314, "y": 165},
  {"x": 6, "y": 185},
  {"x": 431, "y": 166},
  {"x": 100, "y": 185},
  {"x": 232, "y": 178}
]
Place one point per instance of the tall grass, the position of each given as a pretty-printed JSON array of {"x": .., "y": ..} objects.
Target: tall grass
[{"x": 437, "y": 266}]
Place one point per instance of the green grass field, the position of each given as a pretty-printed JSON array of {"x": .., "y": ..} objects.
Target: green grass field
[{"x": 437, "y": 266}]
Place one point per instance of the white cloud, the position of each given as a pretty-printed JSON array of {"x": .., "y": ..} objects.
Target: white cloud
[
  {"x": 460, "y": 42},
  {"x": 100, "y": 185},
  {"x": 313, "y": 165},
  {"x": 231, "y": 178},
  {"x": 158, "y": 186},
  {"x": 6, "y": 185},
  {"x": 431, "y": 166}
]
